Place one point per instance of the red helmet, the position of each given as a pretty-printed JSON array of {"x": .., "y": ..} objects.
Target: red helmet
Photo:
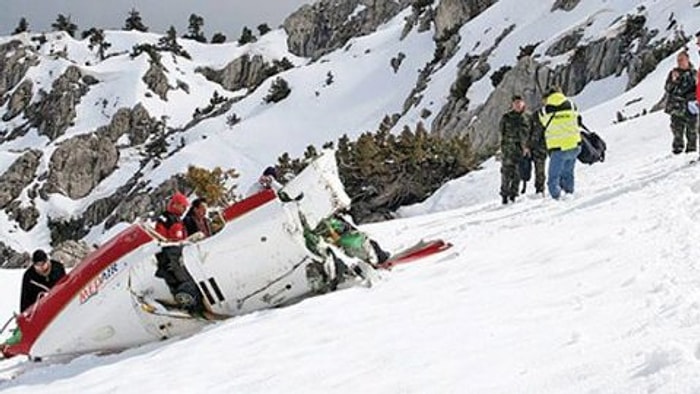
[{"x": 180, "y": 199}]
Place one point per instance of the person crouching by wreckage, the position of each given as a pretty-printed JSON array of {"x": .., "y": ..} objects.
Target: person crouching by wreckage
[
  {"x": 171, "y": 268},
  {"x": 339, "y": 232}
]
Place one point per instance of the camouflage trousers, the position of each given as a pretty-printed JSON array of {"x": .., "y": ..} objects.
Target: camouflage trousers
[
  {"x": 539, "y": 174},
  {"x": 510, "y": 178},
  {"x": 685, "y": 135}
]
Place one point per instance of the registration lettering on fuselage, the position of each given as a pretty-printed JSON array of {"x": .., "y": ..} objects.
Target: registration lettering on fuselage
[{"x": 98, "y": 282}]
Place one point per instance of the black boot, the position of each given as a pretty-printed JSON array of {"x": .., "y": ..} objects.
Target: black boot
[
  {"x": 504, "y": 200},
  {"x": 188, "y": 297},
  {"x": 382, "y": 255}
]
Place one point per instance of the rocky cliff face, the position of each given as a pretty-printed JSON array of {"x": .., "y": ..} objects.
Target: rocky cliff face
[
  {"x": 157, "y": 81},
  {"x": 13, "y": 259},
  {"x": 79, "y": 164},
  {"x": 565, "y": 5},
  {"x": 319, "y": 28},
  {"x": 71, "y": 252},
  {"x": 137, "y": 123},
  {"x": 20, "y": 174},
  {"x": 525, "y": 78},
  {"x": 19, "y": 100},
  {"x": 625, "y": 50},
  {"x": 55, "y": 112},
  {"x": 245, "y": 72},
  {"x": 450, "y": 15},
  {"x": 16, "y": 62}
]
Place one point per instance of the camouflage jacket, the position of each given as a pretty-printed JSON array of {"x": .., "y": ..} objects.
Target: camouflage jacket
[
  {"x": 536, "y": 141},
  {"x": 515, "y": 132},
  {"x": 680, "y": 91}
]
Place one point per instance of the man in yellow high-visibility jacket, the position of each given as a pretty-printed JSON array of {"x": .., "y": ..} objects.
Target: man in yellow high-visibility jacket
[{"x": 562, "y": 134}]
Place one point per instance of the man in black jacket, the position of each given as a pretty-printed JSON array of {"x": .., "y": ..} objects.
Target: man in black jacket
[
  {"x": 39, "y": 278},
  {"x": 196, "y": 220}
]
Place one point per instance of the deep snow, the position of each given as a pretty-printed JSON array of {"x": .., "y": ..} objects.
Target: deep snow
[{"x": 595, "y": 293}]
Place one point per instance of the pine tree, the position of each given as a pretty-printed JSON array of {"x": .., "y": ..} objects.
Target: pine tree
[
  {"x": 218, "y": 38},
  {"x": 97, "y": 40},
  {"x": 310, "y": 153},
  {"x": 386, "y": 123},
  {"x": 22, "y": 26},
  {"x": 284, "y": 64},
  {"x": 212, "y": 185},
  {"x": 87, "y": 33},
  {"x": 279, "y": 90},
  {"x": 498, "y": 75},
  {"x": 263, "y": 29},
  {"x": 195, "y": 29},
  {"x": 63, "y": 23},
  {"x": 344, "y": 151},
  {"x": 366, "y": 154},
  {"x": 169, "y": 43},
  {"x": 232, "y": 120},
  {"x": 247, "y": 36},
  {"x": 134, "y": 22}
]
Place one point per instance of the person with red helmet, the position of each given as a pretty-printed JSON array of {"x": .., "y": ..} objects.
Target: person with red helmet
[
  {"x": 170, "y": 265},
  {"x": 169, "y": 224}
]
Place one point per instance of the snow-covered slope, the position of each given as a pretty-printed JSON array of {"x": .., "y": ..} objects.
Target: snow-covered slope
[{"x": 595, "y": 293}]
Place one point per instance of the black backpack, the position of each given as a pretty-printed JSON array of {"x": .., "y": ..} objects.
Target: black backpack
[
  {"x": 525, "y": 168},
  {"x": 592, "y": 148}
]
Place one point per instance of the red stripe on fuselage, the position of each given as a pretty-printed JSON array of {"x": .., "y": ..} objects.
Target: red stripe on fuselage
[
  {"x": 37, "y": 317},
  {"x": 250, "y": 203}
]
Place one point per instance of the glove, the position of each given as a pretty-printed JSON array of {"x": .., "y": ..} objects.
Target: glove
[{"x": 284, "y": 197}]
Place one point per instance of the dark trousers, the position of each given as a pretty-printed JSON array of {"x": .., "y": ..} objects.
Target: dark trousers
[
  {"x": 181, "y": 284},
  {"x": 684, "y": 134},
  {"x": 510, "y": 178}
]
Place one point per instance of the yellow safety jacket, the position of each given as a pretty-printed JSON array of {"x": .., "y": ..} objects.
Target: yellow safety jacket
[{"x": 560, "y": 117}]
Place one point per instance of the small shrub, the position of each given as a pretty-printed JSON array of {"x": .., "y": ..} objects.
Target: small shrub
[{"x": 279, "y": 90}]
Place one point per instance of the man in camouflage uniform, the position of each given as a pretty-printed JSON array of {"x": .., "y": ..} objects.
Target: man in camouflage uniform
[
  {"x": 515, "y": 130},
  {"x": 538, "y": 152},
  {"x": 680, "y": 89}
]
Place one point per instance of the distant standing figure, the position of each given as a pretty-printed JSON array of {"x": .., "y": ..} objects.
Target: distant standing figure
[
  {"x": 538, "y": 152},
  {"x": 39, "y": 278},
  {"x": 681, "y": 91},
  {"x": 562, "y": 133},
  {"x": 267, "y": 181},
  {"x": 196, "y": 220},
  {"x": 515, "y": 129}
]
